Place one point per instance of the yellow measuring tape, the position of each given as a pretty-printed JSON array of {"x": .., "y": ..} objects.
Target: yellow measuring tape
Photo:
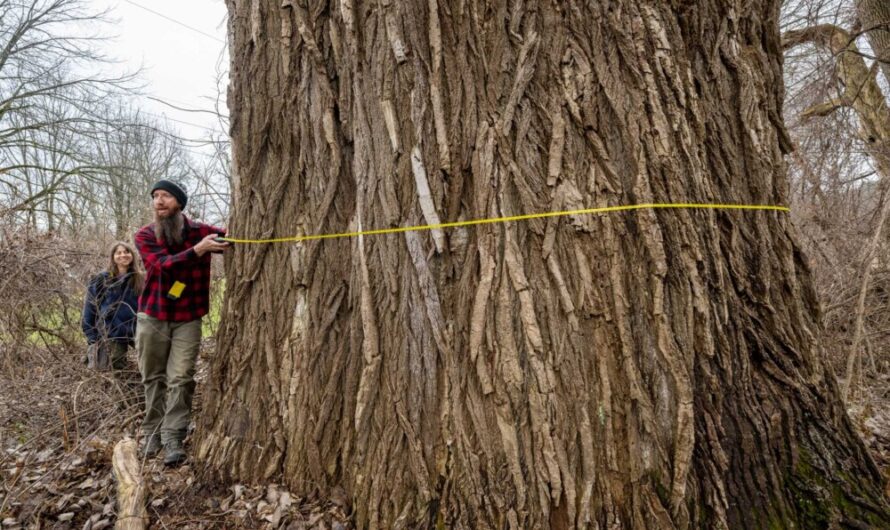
[{"x": 524, "y": 217}]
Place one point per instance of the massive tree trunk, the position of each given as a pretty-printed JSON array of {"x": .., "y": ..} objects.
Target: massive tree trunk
[{"x": 650, "y": 369}]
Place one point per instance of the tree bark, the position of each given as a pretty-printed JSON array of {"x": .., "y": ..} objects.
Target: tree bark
[
  {"x": 653, "y": 369},
  {"x": 874, "y": 16}
]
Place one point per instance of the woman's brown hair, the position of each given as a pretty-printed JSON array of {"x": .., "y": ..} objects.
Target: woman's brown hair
[{"x": 138, "y": 277}]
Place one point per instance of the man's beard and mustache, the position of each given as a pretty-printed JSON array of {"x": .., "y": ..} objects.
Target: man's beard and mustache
[{"x": 169, "y": 229}]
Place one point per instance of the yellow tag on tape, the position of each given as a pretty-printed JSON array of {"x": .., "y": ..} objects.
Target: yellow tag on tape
[{"x": 176, "y": 290}]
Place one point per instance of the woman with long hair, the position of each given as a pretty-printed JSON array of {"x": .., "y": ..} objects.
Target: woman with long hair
[{"x": 109, "y": 312}]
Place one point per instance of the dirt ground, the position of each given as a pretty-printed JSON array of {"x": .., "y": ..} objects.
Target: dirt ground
[{"x": 59, "y": 423}]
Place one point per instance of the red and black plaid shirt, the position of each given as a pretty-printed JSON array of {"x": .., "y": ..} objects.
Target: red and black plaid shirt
[{"x": 166, "y": 265}]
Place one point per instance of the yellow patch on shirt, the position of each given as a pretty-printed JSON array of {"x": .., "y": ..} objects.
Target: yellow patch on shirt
[{"x": 176, "y": 290}]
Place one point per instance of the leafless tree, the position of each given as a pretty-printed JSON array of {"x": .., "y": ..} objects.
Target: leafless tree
[
  {"x": 135, "y": 150},
  {"x": 839, "y": 119},
  {"x": 51, "y": 85}
]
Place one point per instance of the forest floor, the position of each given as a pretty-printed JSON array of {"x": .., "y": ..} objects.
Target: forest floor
[{"x": 59, "y": 423}]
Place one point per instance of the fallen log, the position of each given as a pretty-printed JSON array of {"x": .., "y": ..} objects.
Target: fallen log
[{"x": 131, "y": 512}]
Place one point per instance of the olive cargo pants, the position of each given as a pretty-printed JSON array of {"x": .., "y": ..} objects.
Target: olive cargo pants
[{"x": 167, "y": 353}]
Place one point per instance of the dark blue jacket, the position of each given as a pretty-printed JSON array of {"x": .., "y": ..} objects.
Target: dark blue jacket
[{"x": 110, "y": 309}]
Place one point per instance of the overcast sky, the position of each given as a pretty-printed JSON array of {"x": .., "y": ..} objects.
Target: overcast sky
[{"x": 180, "y": 65}]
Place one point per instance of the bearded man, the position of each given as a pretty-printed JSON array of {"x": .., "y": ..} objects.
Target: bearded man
[{"x": 176, "y": 252}]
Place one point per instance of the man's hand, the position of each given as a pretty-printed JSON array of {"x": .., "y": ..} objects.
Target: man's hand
[{"x": 210, "y": 244}]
